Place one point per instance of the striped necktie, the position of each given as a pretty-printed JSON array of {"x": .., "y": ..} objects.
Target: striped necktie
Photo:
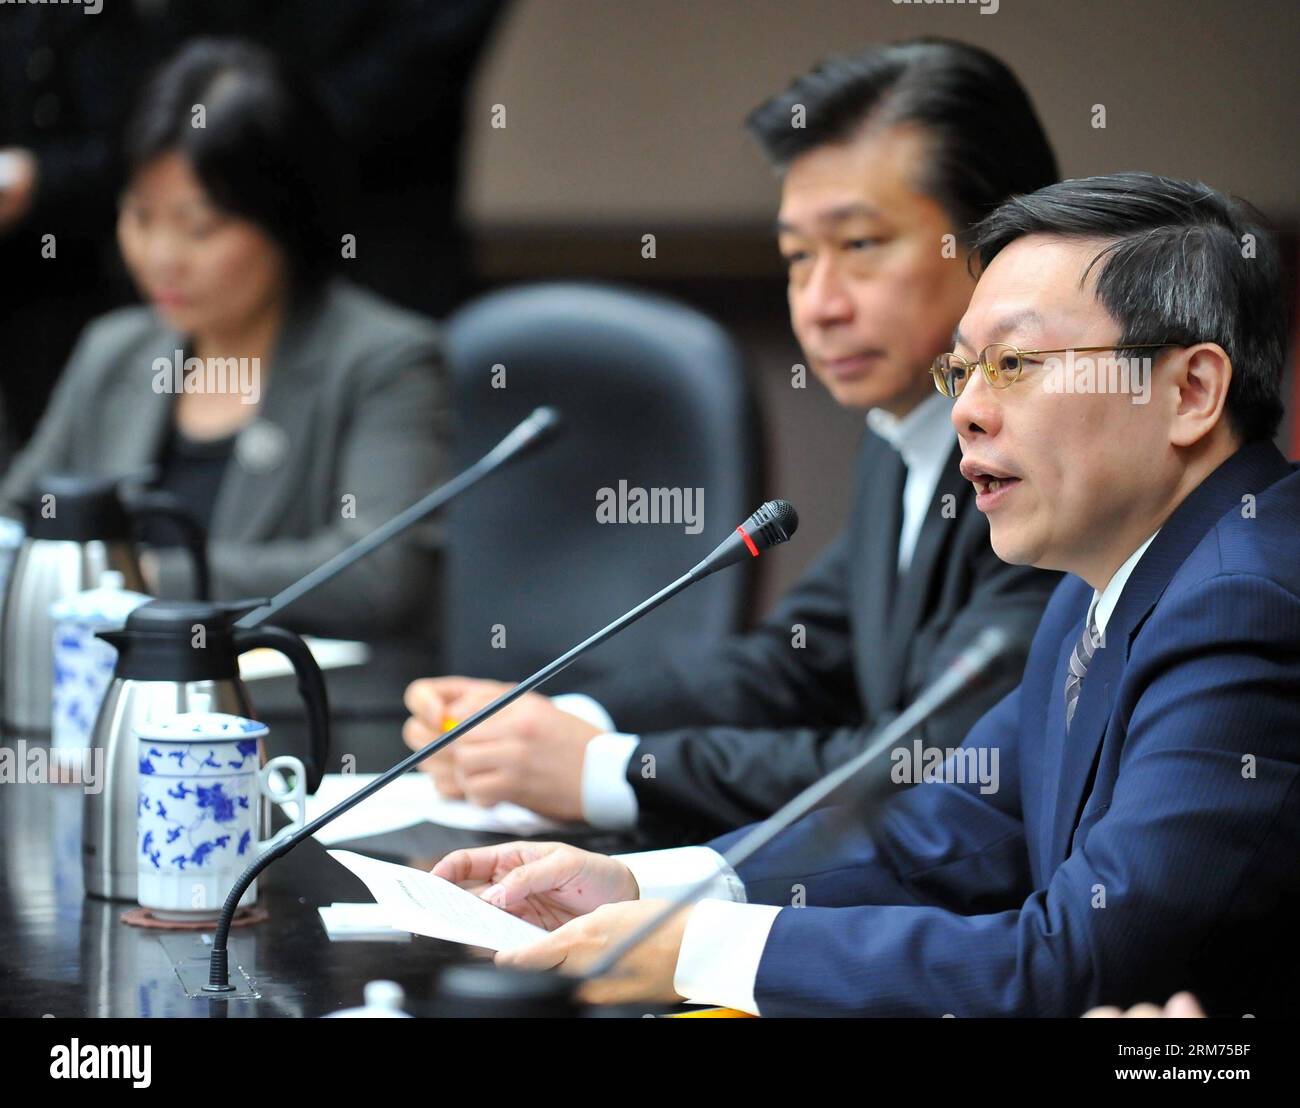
[{"x": 1083, "y": 651}]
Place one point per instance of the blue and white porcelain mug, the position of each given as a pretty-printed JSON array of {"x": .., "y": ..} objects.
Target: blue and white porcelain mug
[{"x": 200, "y": 803}]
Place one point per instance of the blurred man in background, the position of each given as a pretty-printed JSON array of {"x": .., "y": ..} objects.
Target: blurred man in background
[{"x": 886, "y": 157}]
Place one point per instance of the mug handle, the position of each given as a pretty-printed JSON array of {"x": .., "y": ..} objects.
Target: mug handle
[{"x": 296, "y": 794}]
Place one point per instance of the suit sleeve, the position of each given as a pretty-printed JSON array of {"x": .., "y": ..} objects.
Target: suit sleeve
[
  {"x": 1197, "y": 845},
  {"x": 51, "y": 449}
]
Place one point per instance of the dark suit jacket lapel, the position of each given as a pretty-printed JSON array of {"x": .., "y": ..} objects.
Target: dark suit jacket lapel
[
  {"x": 1251, "y": 470},
  {"x": 915, "y": 592},
  {"x": 879, "y": 523},
  {"x": 1054, "y": 742},
  {"x": 262, "y": 471}
]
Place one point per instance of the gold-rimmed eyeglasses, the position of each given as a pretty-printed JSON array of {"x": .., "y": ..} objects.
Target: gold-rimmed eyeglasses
[{"x": 1002, "y": 364}]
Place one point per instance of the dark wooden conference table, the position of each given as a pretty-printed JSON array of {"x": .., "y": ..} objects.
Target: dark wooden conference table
[{"x": 65, "y": 955}]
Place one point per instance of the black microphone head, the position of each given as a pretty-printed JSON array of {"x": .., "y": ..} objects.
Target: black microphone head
[
  {"x": 540, "y": 426},
  {"x": 772, "y": 524},
  {"x": 544, "y": 420}
]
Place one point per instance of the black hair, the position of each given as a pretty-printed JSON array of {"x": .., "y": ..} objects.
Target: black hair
[
  {"x": 262, "y": 151},
  {"x": 988, "y": 141},
  {"x": 1183, "y": 264}
]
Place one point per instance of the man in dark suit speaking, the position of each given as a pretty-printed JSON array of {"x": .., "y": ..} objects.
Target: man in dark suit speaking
[
  {"x": 887, "y": 158},
  {"x": 1118, "y": 381}
]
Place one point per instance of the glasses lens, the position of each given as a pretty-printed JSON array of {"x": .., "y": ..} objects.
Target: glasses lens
[
  {"x": 950, "y": 374},
  {"x": 1003, "y": 364}
]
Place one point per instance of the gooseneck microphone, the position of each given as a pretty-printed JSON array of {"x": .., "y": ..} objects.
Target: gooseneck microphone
[
  {"x": 770, "y": 526},
  {"x": 538, "y": 428},
  {"x": 966, "y": 669}
]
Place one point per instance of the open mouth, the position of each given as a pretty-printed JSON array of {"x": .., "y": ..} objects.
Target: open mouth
[{"x": 987, "y": 481}]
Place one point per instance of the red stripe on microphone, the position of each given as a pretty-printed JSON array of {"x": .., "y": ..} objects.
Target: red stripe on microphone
[{"x": 748, "y": 542}]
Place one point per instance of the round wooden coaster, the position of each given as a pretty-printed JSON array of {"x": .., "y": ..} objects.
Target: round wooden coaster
[{"x": 144, "y": 917}]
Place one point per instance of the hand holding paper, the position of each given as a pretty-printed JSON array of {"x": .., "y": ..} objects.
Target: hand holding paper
[
  {"x": 548, "y": 884},
  {"x": 427, "y": 905}
]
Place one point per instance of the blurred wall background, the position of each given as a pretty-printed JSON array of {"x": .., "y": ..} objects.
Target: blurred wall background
[{"x": 630, "y": 111}]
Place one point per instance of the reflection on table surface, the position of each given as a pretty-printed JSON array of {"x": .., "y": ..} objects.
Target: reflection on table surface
[{"x": 67, "y": 955}]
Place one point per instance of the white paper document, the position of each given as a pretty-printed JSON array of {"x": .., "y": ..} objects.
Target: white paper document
[
  {"x": 263, "y": 663},
  {"x": 360, "y": 921},
  {"x": 427, "y": 905},
  {"x": 410, "y": 800}
]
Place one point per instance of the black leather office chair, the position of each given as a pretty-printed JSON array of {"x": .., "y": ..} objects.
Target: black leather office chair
[{"x": 654, "y": 395}]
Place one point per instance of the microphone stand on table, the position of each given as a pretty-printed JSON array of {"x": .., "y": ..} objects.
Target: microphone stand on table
[{"x": 771, "y": 525}]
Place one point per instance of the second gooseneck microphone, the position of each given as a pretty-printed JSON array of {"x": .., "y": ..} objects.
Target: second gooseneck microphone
[
  {"x": 537, "y": 429},
  {"x": 971, "y": 665},
  {"x": 770, "y": 526}
]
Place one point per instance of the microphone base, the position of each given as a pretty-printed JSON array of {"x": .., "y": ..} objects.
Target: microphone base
[
  {"x": 196, "y": 981},
  {"x": 488, "y": 991}
]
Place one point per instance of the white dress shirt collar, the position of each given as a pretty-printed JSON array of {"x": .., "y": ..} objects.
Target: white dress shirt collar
[
  {"x": 924, "y": 439},
  {"x": 1103, "y": 602},
  {"x": 924, "y": 436}
]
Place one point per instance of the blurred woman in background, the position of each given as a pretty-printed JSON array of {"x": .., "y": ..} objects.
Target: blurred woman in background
[{"x": 291, "y": 411}]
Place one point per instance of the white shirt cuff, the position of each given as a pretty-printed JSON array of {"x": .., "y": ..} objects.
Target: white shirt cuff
[
  {"x": 608, "y": 799},
  {"x": 667, "y": 874},
  {"x": 724, "y": 938},
  {"x": 585, "y": 708},
  {"x": 722, "y": 947}
]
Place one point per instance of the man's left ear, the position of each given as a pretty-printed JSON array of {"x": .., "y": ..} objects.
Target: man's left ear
[{"x": 1202, "y": 375}]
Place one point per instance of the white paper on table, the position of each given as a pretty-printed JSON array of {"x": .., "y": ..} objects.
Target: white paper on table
[
  {"x": 427, "y": 905},
  {"x": 410, "y": 800},
  {"x": 359, "y": 921},
  {"x": 264, "y": 663}
]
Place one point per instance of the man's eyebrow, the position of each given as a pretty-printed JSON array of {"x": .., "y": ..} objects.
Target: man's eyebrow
[
  {"x": 832, "y": 216},
  {"x": 1003, "y": 326}
]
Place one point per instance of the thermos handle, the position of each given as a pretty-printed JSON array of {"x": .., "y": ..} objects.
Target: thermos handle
[
  {"x": 156, "y": 504},
  {"x": 311, "y": 687}
]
